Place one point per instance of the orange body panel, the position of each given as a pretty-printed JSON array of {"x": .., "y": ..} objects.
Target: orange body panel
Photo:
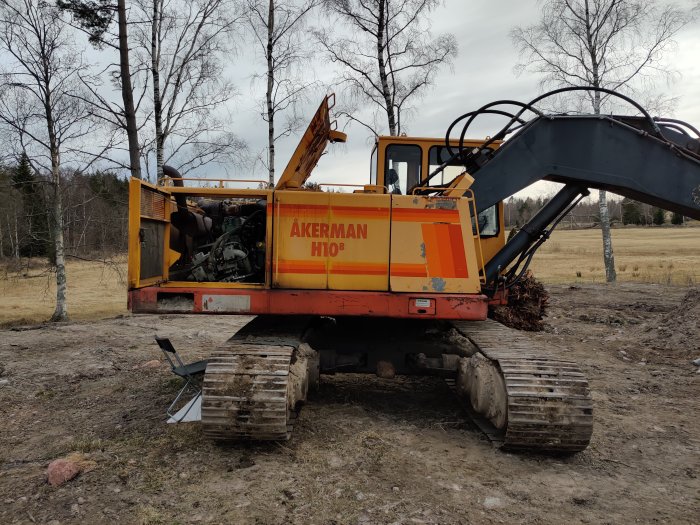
[
  {"x": 334, "y": 241},
  {"x": 428, "y": 249},
  {"x": 331, "y": 303}
]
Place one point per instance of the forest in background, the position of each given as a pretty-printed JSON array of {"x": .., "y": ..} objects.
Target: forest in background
[{"x": 95, "y": 213}]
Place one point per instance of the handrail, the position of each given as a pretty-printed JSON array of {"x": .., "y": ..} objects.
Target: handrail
[
  {"x": 220, "y": 181},
  {"x": 345, "y": 185}
]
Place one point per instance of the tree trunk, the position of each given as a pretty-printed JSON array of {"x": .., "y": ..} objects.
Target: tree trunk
[
  {"x": 9, "y": 232},
  {"x": 391, "y": 116},
  {"x": 61, "y": 311},
  {"x": 270, "y": 88},
  {"x": 608, "y": 256},
  {"x": 16, "y": 238},
  {"x": 157, "y": 102},
  {"x": 128, "y": 94}
]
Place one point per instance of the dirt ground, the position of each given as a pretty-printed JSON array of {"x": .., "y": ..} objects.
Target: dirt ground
[{"x": 365, "y": 450}]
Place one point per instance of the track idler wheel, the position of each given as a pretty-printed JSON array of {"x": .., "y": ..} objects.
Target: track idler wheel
[{"x": 481, "y": 381}]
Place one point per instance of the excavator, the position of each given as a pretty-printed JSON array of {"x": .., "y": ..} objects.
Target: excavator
[{"x": 394, "y": 274}]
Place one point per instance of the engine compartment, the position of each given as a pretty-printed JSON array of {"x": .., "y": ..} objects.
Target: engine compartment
[{"x": 218, "y": 239}]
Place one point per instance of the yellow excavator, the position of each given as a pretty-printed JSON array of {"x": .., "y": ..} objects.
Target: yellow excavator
[{"x": 395, "y": 274}]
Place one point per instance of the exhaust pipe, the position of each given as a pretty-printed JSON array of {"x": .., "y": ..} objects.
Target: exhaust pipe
[{"x": 180, "y": 198}]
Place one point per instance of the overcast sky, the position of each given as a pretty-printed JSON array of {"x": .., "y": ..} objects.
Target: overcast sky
[{"x": 483, "y": 72}]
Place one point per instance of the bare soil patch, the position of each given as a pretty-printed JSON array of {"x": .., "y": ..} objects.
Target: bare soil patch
[{"x": 365, "y": 450}]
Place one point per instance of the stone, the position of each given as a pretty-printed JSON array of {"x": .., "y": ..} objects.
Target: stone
[
  {"x": 696, "y": 362},
  {"x": 386, "y": 370},
  {"x": 335, "y": 461},
  {"x": 62, "y": 470},
  {"x": 395, "y": 489},
  {"x": 154, "y": 363},
  {"x": 81, "y": 500},
  {"x": 245, "y": 462},
  {"x": 359, "y": 496},
  {"x": 582, "y": 496},
  {"x": 493, "y": 503}
]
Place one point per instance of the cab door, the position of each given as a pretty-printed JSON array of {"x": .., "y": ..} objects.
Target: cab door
[{"x": 149, "y": 233}]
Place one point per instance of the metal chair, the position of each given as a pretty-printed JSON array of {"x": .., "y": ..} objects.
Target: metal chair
[{"x": 192, "y": 374}]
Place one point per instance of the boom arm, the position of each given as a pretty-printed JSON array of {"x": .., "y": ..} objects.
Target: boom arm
[{"x": 607, "y": 153}]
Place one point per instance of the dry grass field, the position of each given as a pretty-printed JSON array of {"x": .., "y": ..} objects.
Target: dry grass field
[
  {"x": 95, "y": 290},
  {"x": 646, "y": 255}
]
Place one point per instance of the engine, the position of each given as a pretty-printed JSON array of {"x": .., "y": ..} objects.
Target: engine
[{"x": 219, "y": 241}]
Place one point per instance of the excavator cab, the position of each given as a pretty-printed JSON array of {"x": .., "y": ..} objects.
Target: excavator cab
[{"x": 403, "y": 165}]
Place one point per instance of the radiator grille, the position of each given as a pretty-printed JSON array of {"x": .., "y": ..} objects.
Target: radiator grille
[{"x": 152, "y": 204}]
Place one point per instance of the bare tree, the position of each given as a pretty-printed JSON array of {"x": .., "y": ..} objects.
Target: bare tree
[
  {"x": 37, "y": 106},
  {"x": 613, "y": 44},
  {"x": 278, "y": 28},
  {"x": 387, "y": 53},
  {"x": 95, "y": 17},
  {"x": 184, "y": 44}
]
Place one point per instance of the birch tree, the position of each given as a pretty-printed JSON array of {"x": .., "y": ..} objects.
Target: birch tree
[
  {"x": 613, "y": 44},
  {"x": 37, "y": 108},
  {"x": 278, "y": 28},
  {"x": 96, "y": 18},
  {"x": 186, "y": 44},
  {"x": 387, "y": 54}
]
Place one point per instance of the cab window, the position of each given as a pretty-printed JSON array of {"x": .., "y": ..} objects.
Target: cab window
[
  {"x": 436, "y": 156},
  {"x": 488, "y": 222},
  {"x": 403, "y": 167}
]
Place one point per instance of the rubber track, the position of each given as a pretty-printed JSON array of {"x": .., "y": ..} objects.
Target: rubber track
[
  {"x": 245, "y": 393},
  {"x": 549, "y": 402}
]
